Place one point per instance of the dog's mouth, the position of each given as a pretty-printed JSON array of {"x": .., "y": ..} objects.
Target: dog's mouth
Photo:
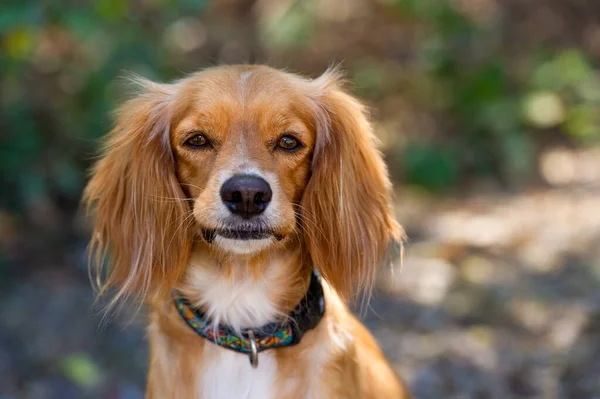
[{"x": 209, "y": 235}]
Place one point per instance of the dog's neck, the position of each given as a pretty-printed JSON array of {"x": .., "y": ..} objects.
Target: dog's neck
[{"x": 246, "y": 292}]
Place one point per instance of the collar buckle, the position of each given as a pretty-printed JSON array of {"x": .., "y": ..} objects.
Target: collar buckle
[{"x": 253, "y": 355}]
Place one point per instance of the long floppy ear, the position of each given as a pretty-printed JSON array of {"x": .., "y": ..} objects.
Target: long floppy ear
[
  {"x": 347, "y": 199},
  {"x": 140, "y": 226}
]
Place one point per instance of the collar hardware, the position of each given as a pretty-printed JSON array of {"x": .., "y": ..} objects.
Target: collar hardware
[
  {"x": 251, "y": 342},
  {"x": 253, "y": 350}
]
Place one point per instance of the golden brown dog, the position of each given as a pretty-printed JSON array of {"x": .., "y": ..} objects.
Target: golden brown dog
[{"x": 216, "y": 197}]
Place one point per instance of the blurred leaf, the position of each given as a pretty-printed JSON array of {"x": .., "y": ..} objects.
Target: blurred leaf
[
  {"x": 81, "y": 370},
  {"x": 547, "y": 77},
  {"x": 18, "y": 43},
  {"x": 80, "y": 21},
  {"x": 415, "y": 8},
  {"x": 589, "y": 89},
  {"x": 33, "y": 185},
  {"x": 68, "y": 177},
  {"x": 450, "y": 22},
  {"x": 113, "y": 10},
  {"x": 368, "y": 77},
  {"x": 488, "y": 83},
  {"x": 431, "y": 166},
  {"x": 18, "y": 15},
  {"x": 517, "y": 155},
  {"x": 193, "y": 5},
  {"x": 573, "y": 66},
  {"x": 564, "y": 69},
  {"x": 500, "y": 117},
  {"x": 292, "y": 28},
  {"x": 544, "y": 109},
  {"x": 583, "y": 121}
]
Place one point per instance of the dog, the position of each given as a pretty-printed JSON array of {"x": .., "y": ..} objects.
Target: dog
[{"x": 246, "y": 207}]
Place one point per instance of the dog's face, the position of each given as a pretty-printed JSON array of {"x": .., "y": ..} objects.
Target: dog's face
[
  {"x": 243, "y": 147},
  {"x": 244, "y": 160}
]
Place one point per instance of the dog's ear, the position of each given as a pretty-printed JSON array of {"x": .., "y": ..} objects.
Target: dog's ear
[
  {"x": 349, "y": 223},
  {"x": 140, "y": 226}
]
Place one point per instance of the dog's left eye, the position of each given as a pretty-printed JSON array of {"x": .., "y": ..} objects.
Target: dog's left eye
[
  {"x": 288, "y": 143},
  {"x": 198, "y": 140}
]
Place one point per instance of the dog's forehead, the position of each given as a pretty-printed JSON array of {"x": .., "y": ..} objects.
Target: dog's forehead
[
  {"x": 245, "y": 87},
  {"x": 257, "y": 97}
]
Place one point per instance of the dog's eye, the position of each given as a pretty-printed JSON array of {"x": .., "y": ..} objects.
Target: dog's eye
[
  {"x": 198, "y": 140},
  {"x": 288, "y": 143}
]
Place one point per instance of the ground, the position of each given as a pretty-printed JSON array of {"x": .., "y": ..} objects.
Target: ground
[{"x": 497, "y": 297}]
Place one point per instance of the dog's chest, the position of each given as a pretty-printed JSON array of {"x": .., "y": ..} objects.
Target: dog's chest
[{"x": 229, "y": 374}]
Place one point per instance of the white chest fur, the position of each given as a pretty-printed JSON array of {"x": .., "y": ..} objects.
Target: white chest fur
[
  {"x": 228, "y": 374},
  {"x": 239, "y": 301}
]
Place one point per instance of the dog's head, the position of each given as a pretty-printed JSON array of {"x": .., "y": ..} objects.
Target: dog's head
[{"x": 244, "y": 160}]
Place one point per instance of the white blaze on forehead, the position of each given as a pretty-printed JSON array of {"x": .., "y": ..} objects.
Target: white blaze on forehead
[{"x": 242, "y": 85}]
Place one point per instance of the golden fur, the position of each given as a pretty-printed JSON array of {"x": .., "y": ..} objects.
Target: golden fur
[{"x": 153, "y": 195}]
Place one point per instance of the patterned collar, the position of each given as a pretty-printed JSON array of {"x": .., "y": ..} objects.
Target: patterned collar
[{"x": 304, "y": 317}]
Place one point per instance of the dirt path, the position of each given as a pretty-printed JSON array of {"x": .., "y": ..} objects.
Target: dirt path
[{"x": 498, "y": 297}]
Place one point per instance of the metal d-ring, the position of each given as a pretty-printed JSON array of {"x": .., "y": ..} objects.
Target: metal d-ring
[{"x": 253, "y": 350}]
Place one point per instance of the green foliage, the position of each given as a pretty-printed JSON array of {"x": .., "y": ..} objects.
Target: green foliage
[
  {"x": 571, "y": 91},
  {"x": 81, "y": 370},
  {"x": 58, "y": 64},
  {"x": 291, "y": 28},
  {"x": 431, "y": 166},
  {"x": 368, "y": 77},
  {"x": 496, "y": 109}
]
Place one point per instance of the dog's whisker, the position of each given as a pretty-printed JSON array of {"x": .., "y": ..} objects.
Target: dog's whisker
[
  {"x": 174, "y": 199},
  {"x": 191, "y": 185}
]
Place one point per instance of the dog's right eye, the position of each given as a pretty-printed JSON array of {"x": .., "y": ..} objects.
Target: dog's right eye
[{"x": 198, "y": 140}]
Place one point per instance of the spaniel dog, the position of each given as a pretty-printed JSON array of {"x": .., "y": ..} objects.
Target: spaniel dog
[{"x": 245, "y": 207}]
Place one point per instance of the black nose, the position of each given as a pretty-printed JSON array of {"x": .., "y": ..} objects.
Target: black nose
[{"x": 246, "y": 195}]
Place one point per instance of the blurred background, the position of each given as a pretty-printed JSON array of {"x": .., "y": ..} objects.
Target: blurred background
[{"x": 488, "y": 115}]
